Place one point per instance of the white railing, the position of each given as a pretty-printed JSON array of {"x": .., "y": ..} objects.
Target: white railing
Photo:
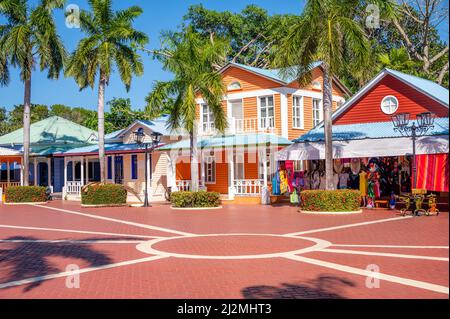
[
  {"x": 5, "y": 185},
  {"x": 241, "y": 126},
  {"x": 73, "y": 187},
  {"x": 248, "y": 186},
  {"x": 184, "y": 185}
]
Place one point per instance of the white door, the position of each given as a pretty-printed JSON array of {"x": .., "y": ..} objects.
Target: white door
[{"x": 237, "y": 113}]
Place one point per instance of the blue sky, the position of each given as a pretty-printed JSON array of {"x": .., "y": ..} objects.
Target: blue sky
[{"x": 157, "y": 16}]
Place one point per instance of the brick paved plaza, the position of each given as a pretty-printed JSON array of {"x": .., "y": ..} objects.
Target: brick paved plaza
[{"x": 240, "y": 251}]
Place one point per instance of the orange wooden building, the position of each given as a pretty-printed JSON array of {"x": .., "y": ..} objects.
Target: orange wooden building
[{"x": 264, "y": 111}]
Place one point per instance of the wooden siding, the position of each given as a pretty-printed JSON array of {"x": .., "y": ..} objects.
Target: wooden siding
[
  {"x": 248, "y": 80},
  {"x": 317, "y": 75},
  {"x": 367, "y": 109}
]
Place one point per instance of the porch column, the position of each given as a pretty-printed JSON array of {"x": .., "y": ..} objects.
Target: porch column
[
  {"x": 82, "y": 170},
  {"x": 21, "y": 173},
  {"x": 264, "y": 159},
  {"x": 284, "y": 116},
  {"x": 171, "y": 173},
  {"x": 7, "y": 172},
  {"x": 35, "y": 171},
  {"x": 202, "y": 169},
  {"x": 49, "y": 171},
  {"x": 87, "y": 170},
  {"x": 73, "y": 170},
  {"x": 230, "y": 173},
  {"x": 65, "y": 173}
]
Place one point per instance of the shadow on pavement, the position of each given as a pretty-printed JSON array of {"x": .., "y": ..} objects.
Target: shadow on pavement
[
  {"x": 323, "y": 287},
  {"x": 30, "y": 259}
]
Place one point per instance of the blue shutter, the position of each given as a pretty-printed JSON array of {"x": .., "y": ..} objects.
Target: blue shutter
[
  {"x": 109, "y": 167},
  {"x": 134, "y": 167}
]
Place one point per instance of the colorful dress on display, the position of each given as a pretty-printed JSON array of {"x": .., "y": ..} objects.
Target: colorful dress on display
[
  {"x": 275, "y": 186},
  {"x": 343, "y": 180},
  {"x": 283, "y": 182},
  {"x": 363, "y": 183}
]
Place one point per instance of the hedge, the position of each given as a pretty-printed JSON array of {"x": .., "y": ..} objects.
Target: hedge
[
  {"x": 195, "y": 199},
  {"x": 25, "y": 194},
  {"x": 103, "y": 194},
  {"x": 330, "y": 200}
]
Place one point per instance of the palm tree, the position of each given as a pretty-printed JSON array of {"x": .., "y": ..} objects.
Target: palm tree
[
  {"x": 109, "y": 45},
  {"x": 193, "y": 60},
  {"x": 29, "y": 38},
  {"x": 398, "y": 59},
  {"x": 326, "y": 32}
]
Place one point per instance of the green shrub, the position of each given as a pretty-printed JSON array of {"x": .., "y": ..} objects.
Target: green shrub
[
  {"x": 103, "y": 194},
  {"x": 25, "y": 194},
  {"x": 195, "y": 199},
  {"x": 330, "y": 201}
]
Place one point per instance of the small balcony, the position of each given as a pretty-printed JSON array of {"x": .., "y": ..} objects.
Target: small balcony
[{"x": 242, "y": 126}]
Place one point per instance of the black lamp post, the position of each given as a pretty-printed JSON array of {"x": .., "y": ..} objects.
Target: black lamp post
[
  {"x": 424, "y": 123},
  {"x": 139, "y": 137}
]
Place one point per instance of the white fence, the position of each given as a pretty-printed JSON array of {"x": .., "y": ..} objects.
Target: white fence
[
  {"x": 248, "y": 186},
  {"x": 73, "y": 187},
  {"x": 5, "y": 185}
]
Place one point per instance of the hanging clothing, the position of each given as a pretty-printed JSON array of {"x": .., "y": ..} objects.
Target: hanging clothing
[
  {"x": 275, "y": 186},
  {"x": 284, "y": 187},
  {"x": 335, "y": 181},
  {"x": 323, "y": 181},
  {"x": 343, "y": 180},
  {"x": 433, "y": 172},
  {"x": 354, "y": 181},
  {"x": 363, "y": 183},
  {"x": 355, "y": 165},
  {"x": 289, "y": 166},
  {"x": 338, "y": 165}
]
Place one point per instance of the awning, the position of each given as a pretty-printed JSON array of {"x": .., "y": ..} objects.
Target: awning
[{"x": 365, "y": 148}]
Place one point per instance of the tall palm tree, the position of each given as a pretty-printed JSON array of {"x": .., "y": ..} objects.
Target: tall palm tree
[
  {"x": 29, "y": 38},
  {"x": 193, "y": 60},
  {"x": 327, "y": 31},
  {"x": 109, "y": 45}
]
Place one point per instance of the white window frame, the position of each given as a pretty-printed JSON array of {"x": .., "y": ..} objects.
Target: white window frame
[
  {"x": 320, "y": 112},
  {"x": 210, "y": 169},
  {"x": 382, "y": 106},
  {"x": 259, "y": 98},
  {"x": 299, "y": 114},
  {"x": 202, "y": 122}
]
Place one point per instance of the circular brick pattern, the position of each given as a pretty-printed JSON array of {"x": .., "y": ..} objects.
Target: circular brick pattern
[{"x": 232, "y": 246}]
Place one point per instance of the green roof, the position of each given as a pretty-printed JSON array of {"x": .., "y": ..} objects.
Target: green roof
[{"x": 51, "y": 131}]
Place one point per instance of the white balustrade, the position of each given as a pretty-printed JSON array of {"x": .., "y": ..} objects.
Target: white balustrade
[
  {"x": 248, "y": 186},
  {"x": 184, "y": 185},
  {"x": 73, "y": 187},
  {"x": 5, "y": 185}
]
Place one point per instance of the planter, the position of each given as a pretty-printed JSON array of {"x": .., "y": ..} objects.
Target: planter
[
  {"x": 195, "y": 208},
  {"x": 104, "y": 205},
  {"x": 26, "y": 203},
  {"x": 330, "y": 213}
]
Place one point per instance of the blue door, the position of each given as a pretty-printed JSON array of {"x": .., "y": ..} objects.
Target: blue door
[{"x": 118, "y": 167}]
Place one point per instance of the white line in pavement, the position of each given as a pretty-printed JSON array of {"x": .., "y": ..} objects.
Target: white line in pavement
[
  {"x": 370, "y": 274},
  {"x": 348, "y": 225},
  {"x": 391, "y": 246},
  {"x": 115, "y": 220},
  {"x": 369, "y": 253},
  {"x": 78, "y": 231},
  {"x": 70, "y": 241},
  {"x": 71, "y": 273}
]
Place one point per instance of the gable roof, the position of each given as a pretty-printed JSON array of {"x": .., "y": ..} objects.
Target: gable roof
[
  {"x": 50, "y": 131},
  {"x": 359, "y": 131},
  {"x": 427, "y": 87},
  {"x": 156, "y": 125},
  {"x": 275, "y": 74}
]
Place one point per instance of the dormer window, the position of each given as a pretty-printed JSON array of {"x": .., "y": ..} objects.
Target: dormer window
[
  {"x": 316, "y": 85},
  {"x": 234, "y": 86}
]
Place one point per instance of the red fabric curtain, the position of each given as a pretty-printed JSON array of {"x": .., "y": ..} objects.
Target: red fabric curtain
[{"x": 433, "y": 172}]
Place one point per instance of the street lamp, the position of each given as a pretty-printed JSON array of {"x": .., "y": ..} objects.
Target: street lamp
[
  {"x": 424, "y": 123},
  {"x": 139, "y": 138}
]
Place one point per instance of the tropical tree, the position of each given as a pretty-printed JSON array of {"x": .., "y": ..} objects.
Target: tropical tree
[
  {"x": 326, "y": 32},
  {"x": 110, "y": 43},
  {"x": 29, "y": 38},
  {"x": 192, "y": 59}
]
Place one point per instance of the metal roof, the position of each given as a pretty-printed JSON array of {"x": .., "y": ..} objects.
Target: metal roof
[
  {"x": 368, "y": 130},
  {"x": 52, "y": 130},
  {"x": 230, "y": 141},
  {"x": 93, "y": 149},
  {"x": 8, "y": 152}
]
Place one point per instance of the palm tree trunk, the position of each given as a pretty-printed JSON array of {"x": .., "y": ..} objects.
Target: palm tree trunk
[
  {"x": 194, "y": 162},
  {"x": 327, "y": 113},
  {"x": 101, "y": 126},
  {"x": 26, "y": 132}
]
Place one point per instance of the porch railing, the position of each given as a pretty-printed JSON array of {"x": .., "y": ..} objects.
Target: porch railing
[
  {"x": 185, "y": 185},
  {"x": 73, "y": 187},
  {"x": 248, "y": 186},
  {"x": 242, "y": 126},
  {"x": 5, "y": 185}
]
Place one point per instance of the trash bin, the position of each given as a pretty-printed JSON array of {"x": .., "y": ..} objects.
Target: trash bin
[{"x": 265, "y": 196}]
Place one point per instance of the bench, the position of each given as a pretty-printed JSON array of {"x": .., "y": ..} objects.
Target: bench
[{"x": 380, "y": 202}]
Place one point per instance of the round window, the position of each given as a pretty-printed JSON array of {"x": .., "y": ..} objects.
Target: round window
[
  {"x": 389, "y": 105},
  {"x": 234, "y": 86}
]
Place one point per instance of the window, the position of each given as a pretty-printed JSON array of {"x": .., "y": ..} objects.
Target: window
[
  {"x": 239, "y": 166},
  {"x": 210, "y": 169},
  {"x": 234, "y": 86},
  {"x": 109, "y": 167},
  {"x": 134, "y": 167},
  {"x": 266, "y": 112},
  {"x": 317, "y": 111},
  {"x": 389, "y": 105},
  {"x": 207, "y": 118},
  {"x": 297, "y": 112}
]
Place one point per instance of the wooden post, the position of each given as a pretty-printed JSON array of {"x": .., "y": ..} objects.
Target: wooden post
[
  {"x": 35, "y": 171},
  {"x": 49, "y": 171}
]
